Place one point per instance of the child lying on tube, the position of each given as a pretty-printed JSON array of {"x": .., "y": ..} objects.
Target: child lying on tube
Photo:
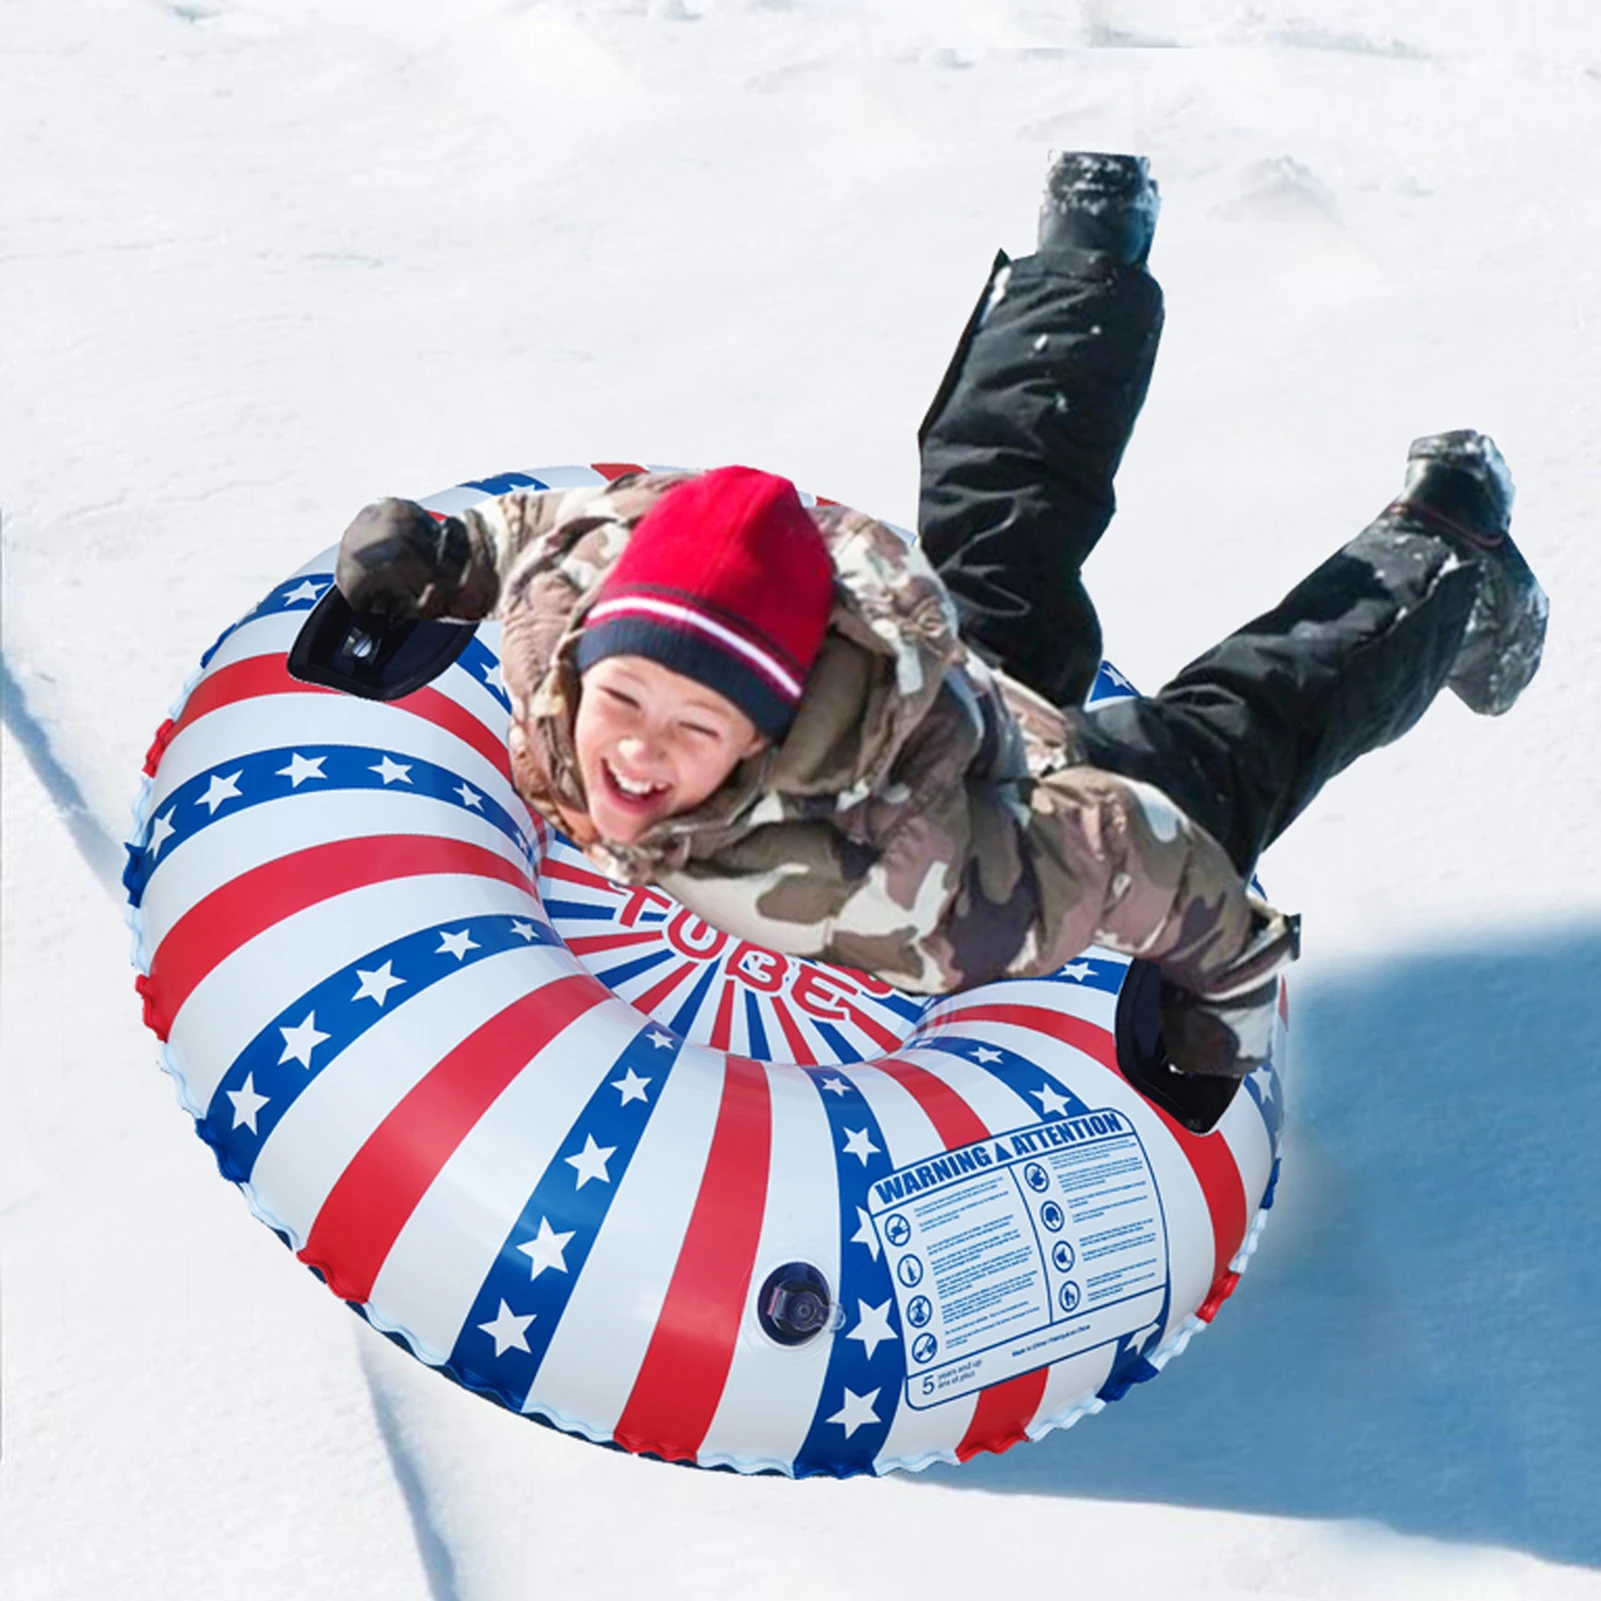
[{"x": 842, "y": 746}]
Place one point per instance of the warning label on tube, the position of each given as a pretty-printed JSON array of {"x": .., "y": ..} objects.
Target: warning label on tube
[{"x": 1023, "y": 1249}]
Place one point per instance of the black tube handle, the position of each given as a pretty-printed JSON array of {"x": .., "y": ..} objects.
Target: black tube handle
[
  {"x": 1195, "y": 1100},
  {"x": 375, "y": 657}
]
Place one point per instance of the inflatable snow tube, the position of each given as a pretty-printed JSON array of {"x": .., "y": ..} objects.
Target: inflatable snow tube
[{"x": 612, "y": 1167}]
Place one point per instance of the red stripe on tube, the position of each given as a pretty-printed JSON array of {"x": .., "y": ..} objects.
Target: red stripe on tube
[
  {"x": 884, "y": 1038},
  {"x": 256, "y": 676},
  {"x": 242, "y": 680},
  {"x": 372, "y": 1199},
  {"x": 954, "y": 1120},
  {"x": 1082, "y": 1035},
  {"x": 723, "y": 1028},
  {"x": 680, "y": 1382},
  {"x": 1219, "y": 1177},
  {"x": 657, "y": 993},
  {"x": 594, "y": 944},
  {"x": 793, "y": 1036},
  {"x": 1003, "y": 1414},
  {"x": 216, "y": 926},
  {"x": 552, "y": 868}
]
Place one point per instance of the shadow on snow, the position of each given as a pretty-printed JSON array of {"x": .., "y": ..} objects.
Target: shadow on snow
[{"x": 1415, "y": 1340}]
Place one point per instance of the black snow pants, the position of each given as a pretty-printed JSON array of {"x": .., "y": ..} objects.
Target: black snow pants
[{"x": 1019, "y": 449}]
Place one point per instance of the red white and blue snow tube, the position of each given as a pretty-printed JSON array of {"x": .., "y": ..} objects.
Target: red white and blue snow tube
[{"x": 612, "y": 1167}]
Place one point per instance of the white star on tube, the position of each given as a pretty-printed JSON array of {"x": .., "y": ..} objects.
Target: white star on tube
[
  {"x": 1049, "y": 1100},
  {"x": 873, "y": 1328},
  {"x": 1263, "y": 1079},
  {"x": 457, "y": 944},
  {"x": 590, "y": 1163},
  {"x": 221, "y": 789},
  {"x": 508, "y": 1330},
  {"x": 866, "y": 1235},
  {"x": 836, "y": 1086},
  {"x": 301, "y": 1040},
  {"x": 246, "y": 1103},
  {"x": 631, "y": 1087},
  {"x": 392, "y": 772},
  {"x": 1136, "y": 1341},
  {"x": 376, "y": 985},
  {"x": 859, "y": 1143},
  {"x": 662, "y": 1042},
  {"x": 857, "y": 1410},
  {"x": 1079, "y": 971},
  {"x": 301, "y": 768},
  {"x": 545, "y": 1249},
  {"x": 160, "y": 832},
  {"x": 469, "y": 797},
  {"x": 492, "y": 677},
  {"x": 985, "y": 1054},
  {"x": 524, "y": 930},
  {"x": 305, "y": 590}
]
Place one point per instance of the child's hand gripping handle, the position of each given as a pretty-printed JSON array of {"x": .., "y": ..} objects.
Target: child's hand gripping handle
[{"x": 378, "y": 632}]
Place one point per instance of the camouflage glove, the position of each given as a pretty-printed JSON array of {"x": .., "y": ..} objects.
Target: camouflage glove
[
  {"x": 1227, "y": 1032},
  {"x": 398, "y": 560}
]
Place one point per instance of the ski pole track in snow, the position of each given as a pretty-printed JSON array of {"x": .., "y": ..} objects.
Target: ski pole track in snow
[
  {"x": 433, "y": 1549},
  {"x": 94, "y": 840},
  {"x": 95, "y": 844}
]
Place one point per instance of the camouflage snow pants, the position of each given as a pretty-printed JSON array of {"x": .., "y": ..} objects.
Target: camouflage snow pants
[{"x": 1019, "y": 450}]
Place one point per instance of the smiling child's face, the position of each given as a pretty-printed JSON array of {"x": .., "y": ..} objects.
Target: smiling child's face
[{"x": 652, "y": 743}]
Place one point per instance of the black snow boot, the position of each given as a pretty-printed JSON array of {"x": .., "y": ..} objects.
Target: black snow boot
[
  {"x": 1102, "y": 203},
  {"x": 1458, "y": 485}
]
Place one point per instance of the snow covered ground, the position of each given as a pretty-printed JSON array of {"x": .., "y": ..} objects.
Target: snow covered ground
[{"x": 264, "y": 260}]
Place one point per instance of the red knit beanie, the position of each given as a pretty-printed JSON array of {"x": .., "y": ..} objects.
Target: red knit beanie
[{"x": 725, "y": 580}]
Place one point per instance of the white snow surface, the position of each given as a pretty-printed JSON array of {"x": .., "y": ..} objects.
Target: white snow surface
[{"x": 265, "y": 260}]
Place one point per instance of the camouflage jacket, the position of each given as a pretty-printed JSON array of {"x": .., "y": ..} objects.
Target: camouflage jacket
[{"x": 924, "y": 819}]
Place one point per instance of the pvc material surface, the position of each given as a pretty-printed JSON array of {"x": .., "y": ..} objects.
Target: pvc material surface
[{"x": 557, "y": 1135}]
